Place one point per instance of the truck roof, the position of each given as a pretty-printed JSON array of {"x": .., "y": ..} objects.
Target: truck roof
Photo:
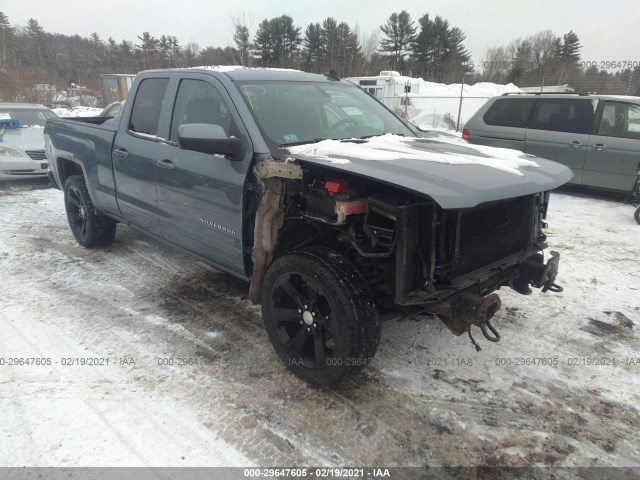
[
  {"x": 242, "y": 74},
  {"x": 22, "y": 106}
]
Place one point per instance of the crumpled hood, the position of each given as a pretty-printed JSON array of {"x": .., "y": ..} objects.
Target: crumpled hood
[
  {"x": 452, "y": 172},
  {"x": 27, "y": 138}
]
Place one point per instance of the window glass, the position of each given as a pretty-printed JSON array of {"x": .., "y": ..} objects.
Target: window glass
[
  {"x": 115, "y": 110},
  {"x": 620, "y": 120},
  {"x": 564, "y": 115},
  {"x": 510, "y": 112},
  {"x": 27, "y": 117},
  {"x": 145, "y": 114},
  {"x": 200, "y": 102},
  {"x": 294, "y": 112}
]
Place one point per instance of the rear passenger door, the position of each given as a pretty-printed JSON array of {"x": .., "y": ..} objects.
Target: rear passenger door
[
  {"x": 614, "y": 150},
  {"x": 135, "y": 150},
  {"x": 559, "y": 130}
]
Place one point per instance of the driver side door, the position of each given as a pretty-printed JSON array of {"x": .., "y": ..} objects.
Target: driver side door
[{"x": 200, "y": 196}]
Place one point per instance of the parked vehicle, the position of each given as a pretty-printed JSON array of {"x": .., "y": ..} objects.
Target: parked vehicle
[
  {"x": 597, "y": 136},
  {"x": 112, "y": 110},
  {"x": 116, "y": 86},
  {"x": 335, "y": 210},
  {"x": 22, "y": 141},
  {"x": 634, "y": 197}
]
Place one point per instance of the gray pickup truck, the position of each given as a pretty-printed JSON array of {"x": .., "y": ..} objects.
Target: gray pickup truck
[{"x": 337, "y": 212}]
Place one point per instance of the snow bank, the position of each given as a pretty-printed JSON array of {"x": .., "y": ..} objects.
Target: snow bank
[
  {"x": 436, "y": 105},
  {"x": 480, "y": 89},
  {"x": 77, "y": 112}
]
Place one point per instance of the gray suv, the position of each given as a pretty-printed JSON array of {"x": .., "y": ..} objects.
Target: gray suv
[{"x": 597, "y": 136}]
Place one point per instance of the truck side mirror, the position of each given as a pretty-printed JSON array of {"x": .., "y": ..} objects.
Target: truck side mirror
[{"x": 210, "y": 139}]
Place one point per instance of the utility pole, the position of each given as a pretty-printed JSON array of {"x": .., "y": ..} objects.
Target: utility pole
[{"x": 460, "y": 105}]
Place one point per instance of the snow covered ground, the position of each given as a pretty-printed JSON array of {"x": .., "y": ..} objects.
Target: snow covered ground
[
  {"x": 77, "y": 111},
  {"x": 187, "y": 377}
]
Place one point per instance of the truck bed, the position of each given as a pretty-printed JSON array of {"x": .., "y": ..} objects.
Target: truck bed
[{"x": 86, "y": 144}]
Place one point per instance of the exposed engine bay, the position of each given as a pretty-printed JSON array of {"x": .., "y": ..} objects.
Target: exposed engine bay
[{"x": 417, "y": 257}]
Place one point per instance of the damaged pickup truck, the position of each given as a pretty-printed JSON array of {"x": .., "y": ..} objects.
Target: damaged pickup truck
[{"x": 337, "y": 212}]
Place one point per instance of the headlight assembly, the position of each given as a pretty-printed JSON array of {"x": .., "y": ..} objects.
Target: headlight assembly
[{"x": 9, "y": 152}]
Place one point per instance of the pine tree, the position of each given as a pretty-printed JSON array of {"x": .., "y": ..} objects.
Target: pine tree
[
  {"x": 7, "y": 37},
  {"x": 312, "y": 47},
  {"x": 277, "y": 42},
  {"x": 567, "y": 55},
  {"x": 330, "y": 44},
  {"x": 430, "y": 45},
  {"x": 148, "y": 50},
  {"x": 37, "y": 51},
  {"x": 399, "y": 34},
  {"x": 349, "y": 52}
]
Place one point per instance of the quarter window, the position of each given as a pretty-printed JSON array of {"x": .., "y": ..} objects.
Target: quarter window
[
  {"x": 510, "y": 112},
  {"x": 564, "y": 115},
  {"x": 145, "y": 113},
  {"x": 620, "y": 120}
]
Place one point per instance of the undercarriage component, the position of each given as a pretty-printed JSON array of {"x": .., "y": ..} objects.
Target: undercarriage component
[
  {"x": 534, "y": 272},
  {"x": 464, "y": 309}
]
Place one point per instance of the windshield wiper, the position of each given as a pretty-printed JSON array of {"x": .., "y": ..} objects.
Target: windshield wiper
[{"x": 304, "y": 142}]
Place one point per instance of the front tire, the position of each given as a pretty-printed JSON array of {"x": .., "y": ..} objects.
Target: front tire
[
  {"x": 90, "y": 227},
  {"x": 636, "y": 215},
  {"x": 320, "y": 315}
]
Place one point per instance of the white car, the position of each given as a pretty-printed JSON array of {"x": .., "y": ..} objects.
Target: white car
[{"x": 22, "y": 140}]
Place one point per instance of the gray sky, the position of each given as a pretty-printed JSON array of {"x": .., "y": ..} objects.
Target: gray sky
[{"x": 608, "y": 30}]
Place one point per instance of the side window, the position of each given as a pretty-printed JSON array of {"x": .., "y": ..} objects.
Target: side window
[
  {"x": 200, "y": 102},
  {"x": 510, "y": 112},
  {"x": 145, "y": 114},
  {"x": 564, "y": 115},
  {"x": 620, "y": 120}
]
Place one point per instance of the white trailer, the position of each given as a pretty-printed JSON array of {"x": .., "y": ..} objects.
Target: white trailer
[{"x": 390, "y": 87}]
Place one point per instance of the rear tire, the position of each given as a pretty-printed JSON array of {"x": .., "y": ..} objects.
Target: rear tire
[
  {"x": 90, "y": 227},
  {"x": 636, "y": 215},
  {"x": 320, "y": 315}
]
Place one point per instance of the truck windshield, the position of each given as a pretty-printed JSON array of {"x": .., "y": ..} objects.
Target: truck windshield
[
  {"x": 27, "y": 117},
  {"x": 290, "y": 113}
]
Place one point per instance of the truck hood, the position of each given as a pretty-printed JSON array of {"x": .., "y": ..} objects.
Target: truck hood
[
  {"x": 26, "y": 138},
  {"x": 453, "y": 173}
]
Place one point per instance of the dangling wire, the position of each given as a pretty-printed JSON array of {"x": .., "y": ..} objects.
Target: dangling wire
[{"x": 476, "y": 346}]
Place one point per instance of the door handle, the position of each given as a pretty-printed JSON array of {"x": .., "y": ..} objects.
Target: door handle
[
  {"x": 575, "y": 144},
  {"x": 166, "y": 164},
  {"x": 599, "y": 147},
  {"x": 121, "y": 152}
]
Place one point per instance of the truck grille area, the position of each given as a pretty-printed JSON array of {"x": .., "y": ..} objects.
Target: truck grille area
[
  {"x": 489, "y": 234},
  {"x": 36, "y": 154}
]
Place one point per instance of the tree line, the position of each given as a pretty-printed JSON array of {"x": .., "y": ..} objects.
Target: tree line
[{"x": 430, "y": 48}]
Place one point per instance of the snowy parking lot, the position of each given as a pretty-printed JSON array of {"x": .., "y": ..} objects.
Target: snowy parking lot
[{"x": 137, "y": 355}]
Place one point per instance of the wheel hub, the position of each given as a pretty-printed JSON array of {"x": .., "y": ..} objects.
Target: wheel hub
[{"x": 307, "y": 317}]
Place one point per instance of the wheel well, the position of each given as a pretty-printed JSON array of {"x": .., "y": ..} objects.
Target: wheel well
[{"x": 66, "y": 168}]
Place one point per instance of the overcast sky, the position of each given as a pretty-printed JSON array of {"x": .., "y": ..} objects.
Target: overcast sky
[{"x": 608, "y": 29}]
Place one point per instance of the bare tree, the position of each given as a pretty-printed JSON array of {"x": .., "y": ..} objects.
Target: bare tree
[
  {"x": 369, "y": 42},
  {"x": 242, "y": 27}
]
